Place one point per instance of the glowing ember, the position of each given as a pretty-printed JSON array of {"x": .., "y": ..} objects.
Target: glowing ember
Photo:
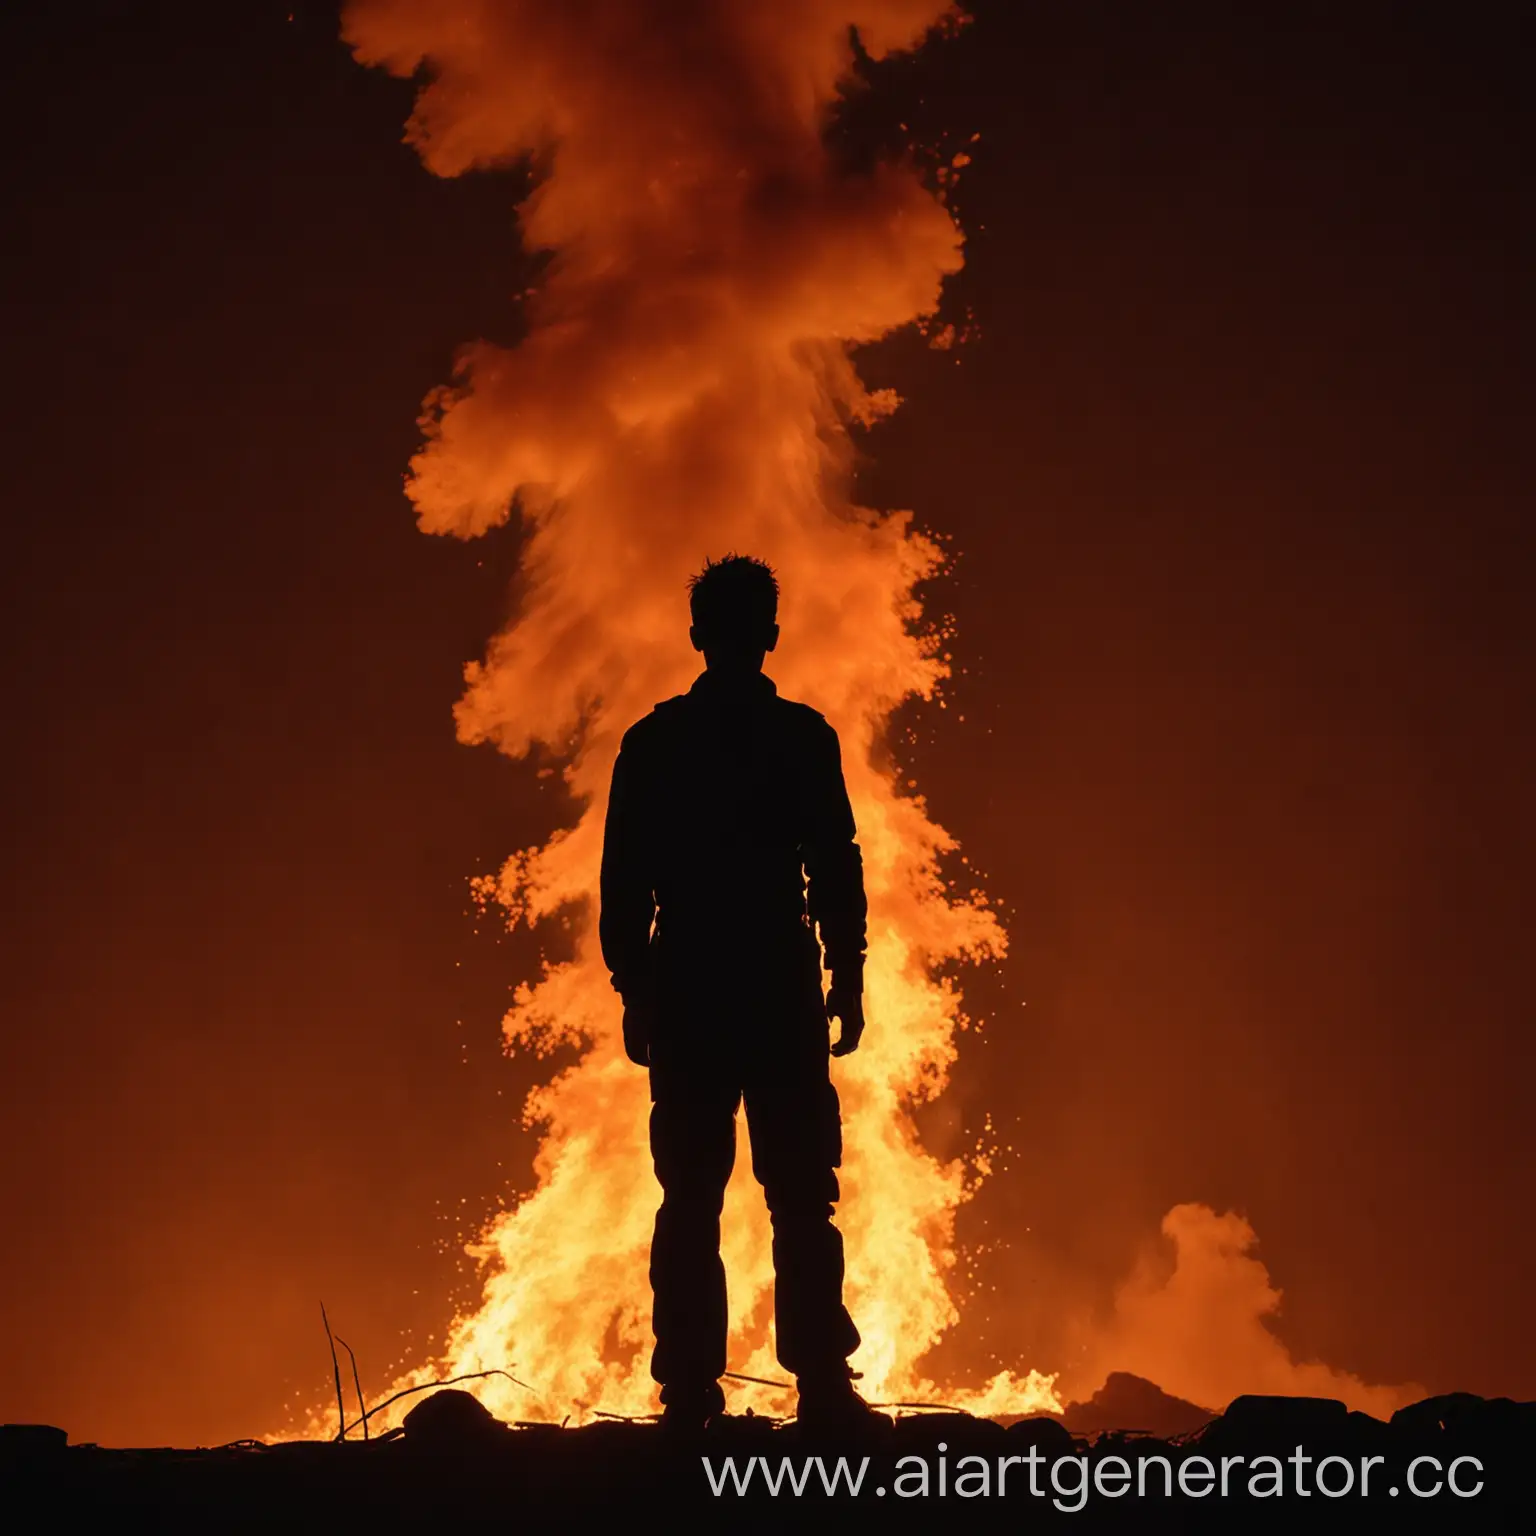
[{"x": 685, "y": 388}]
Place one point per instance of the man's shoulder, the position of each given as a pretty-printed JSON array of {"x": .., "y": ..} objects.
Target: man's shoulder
[
  {"x": 803, "y": 719},
  {"x": 649, "y": 728},
  {"x": 678, "y": 715}
]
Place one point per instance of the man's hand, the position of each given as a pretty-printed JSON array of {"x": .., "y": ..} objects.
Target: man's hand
[
  {"x": 639, "y": 1019},
  {"x": 845, "y": 1003}
]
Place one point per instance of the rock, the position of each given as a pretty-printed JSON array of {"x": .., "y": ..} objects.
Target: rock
[
  {"x": 930, "y": 1428},
  {"x": 1127, "y": 1402},
  {"x": 1434, "y": 1414},
  {"x": 21, "y": 1441},
  {"x": 451, "y": 1418},
  {"x": 1263, "y": 1421},
  {"x": 1047, "y": 1433},
  {"x": 1363, "y": 1427}
]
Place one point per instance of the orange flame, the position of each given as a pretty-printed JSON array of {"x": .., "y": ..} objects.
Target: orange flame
[{"x": 685, "y": 388}]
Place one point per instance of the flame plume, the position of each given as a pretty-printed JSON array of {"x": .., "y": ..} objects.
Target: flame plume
[{"x": 685, "y": 388}]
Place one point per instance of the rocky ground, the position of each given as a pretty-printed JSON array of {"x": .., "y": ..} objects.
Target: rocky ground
[{"x": 1455, "y": 1463}]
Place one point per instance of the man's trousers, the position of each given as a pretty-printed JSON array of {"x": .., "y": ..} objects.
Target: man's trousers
[{"x": 702, "y": 1069}]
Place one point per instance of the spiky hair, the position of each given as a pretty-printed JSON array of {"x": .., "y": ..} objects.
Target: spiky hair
[{"x": 736, "y": 593}]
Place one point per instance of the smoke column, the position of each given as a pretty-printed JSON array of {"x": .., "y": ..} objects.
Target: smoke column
[
  {"x": 686, "y": 388},
  {"x": 1199, "y": 1326}
]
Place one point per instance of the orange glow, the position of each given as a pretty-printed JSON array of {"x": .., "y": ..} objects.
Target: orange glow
[
  {"x": 686, "y": 388},
  {"x": 1200, "y": 1328}
]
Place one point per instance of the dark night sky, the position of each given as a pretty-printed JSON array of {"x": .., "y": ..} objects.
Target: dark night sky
[{"x": 1239, "y": 471}]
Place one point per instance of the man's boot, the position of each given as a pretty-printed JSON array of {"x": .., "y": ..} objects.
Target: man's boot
[
  {"x": 691, "y": 1408},
  {"x": 828, "y": 1402}
]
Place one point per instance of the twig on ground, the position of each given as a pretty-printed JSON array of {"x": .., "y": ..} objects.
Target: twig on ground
[
  {"x": 789, "y": 1386},
  {"x": 760, "y": 1381},
  {"x": 341, "y": 1407},
  {"x": 362, "y": 1407}
]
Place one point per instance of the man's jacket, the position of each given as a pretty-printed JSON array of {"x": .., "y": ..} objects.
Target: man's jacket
[{"x": 729, "y": 826}]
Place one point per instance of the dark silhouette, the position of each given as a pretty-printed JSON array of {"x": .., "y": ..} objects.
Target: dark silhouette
[{"x": 729, "y": 845}]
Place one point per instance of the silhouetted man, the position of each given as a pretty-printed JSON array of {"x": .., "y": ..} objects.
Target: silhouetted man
[{"x": 729, "y": 826}]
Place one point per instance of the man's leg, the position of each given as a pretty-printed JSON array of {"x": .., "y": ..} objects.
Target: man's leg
[
  {"x": 693, "y": 1145},
  {"x": 794, "y": 1120}
]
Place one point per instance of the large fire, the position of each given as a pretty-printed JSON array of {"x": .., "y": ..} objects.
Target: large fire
[{"x": 685, "y": 388}]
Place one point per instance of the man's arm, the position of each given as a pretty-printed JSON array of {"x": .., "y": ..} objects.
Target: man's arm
[
  {"x": 834, "y": 871},
  {"x": 627, "y": 900}
]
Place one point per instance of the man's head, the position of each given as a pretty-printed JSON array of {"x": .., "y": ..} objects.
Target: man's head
[{"x": 735, "y": 603}]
